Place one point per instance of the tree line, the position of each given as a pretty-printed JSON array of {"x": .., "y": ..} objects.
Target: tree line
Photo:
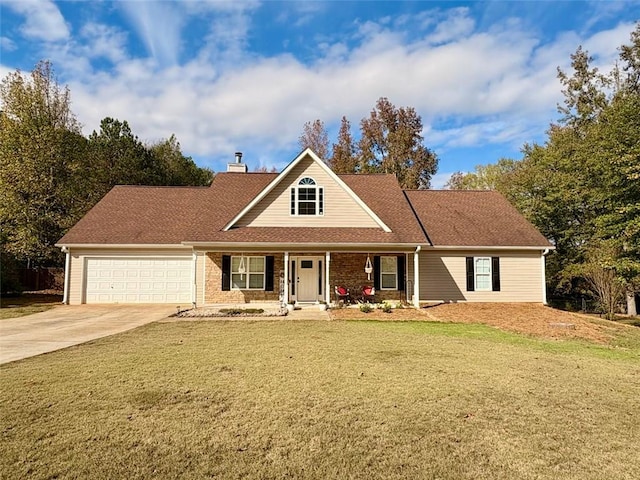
[
  {"x": 581, "y": 187},
  {"x": 51, "y": 175}
]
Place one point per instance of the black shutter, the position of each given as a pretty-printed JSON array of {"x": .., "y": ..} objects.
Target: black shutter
[
  {"x": 401, "y": 273},
  {"x": 376, "y": 272},
  {"x": 226, "y": 272},
  {"x": 495, "y": 274},
  {"x": 470, "y": 276},
  {"x": 268, "y": 273}
]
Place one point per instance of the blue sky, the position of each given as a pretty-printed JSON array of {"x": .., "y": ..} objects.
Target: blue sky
[{"x": 246, "y": 76}]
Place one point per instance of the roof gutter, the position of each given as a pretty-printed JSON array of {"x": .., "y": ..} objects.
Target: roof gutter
[
  {"x": 305, "y": 246},
  {"x": 154, "y": 246},
  {"x": 492, "y": 247}
]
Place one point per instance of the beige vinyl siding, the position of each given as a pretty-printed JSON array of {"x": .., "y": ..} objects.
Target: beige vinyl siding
[
  {"x": 77, "y": 280},
  {"x": 443, "y": 277},
  {"x": 340, "y": 209}
]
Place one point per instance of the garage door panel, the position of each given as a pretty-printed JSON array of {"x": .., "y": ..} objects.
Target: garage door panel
[{"x": 138, "y": 280}]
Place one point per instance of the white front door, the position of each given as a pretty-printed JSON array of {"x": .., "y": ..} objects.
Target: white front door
[{"x": 308, "y": 279}]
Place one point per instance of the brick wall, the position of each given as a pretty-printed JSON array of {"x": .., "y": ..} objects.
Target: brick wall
[
  {"x": 347, "y": 269},
  {"x": 213, "y": 282}
]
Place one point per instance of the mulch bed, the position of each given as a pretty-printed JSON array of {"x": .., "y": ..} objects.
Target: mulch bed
[{"x": 527, "y": 318}]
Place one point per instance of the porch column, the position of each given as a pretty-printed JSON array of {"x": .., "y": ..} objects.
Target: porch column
[
  {"x": 327, "y": 286},
  {"x": 416, "y": 277},
  {"x": 285, "y": 287}
]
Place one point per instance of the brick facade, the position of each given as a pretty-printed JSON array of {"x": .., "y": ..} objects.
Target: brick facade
[
  {"x": 213, "y": 281},
  {"x": 346, "y": 269}
]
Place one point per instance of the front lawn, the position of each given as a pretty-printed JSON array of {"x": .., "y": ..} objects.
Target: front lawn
[{"x": 337, "y": 399}]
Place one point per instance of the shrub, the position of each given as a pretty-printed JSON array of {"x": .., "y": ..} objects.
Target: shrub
[
  {"x": 366, "y": 308},
  {"x": 386, "y": 308},
  {"x": 241, "y": 311}
]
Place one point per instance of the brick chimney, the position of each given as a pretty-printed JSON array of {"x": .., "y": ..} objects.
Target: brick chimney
[{"x": 237, "y": 166}]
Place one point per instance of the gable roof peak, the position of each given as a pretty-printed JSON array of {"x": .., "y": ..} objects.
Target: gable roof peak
[{"x": 307, "y": 152}]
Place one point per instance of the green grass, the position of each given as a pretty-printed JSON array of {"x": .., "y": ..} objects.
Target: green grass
[
  {"x": 27, "y": 304},
  {"x": 283, "y": 399}
]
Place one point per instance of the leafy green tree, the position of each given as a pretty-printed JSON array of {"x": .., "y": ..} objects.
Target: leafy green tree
[
  {"x": 391, "y": 142},
  {"x": 43, "y": 169},
  {"x": 176, "y": 169},
  {"x": 484, "y": 177}
]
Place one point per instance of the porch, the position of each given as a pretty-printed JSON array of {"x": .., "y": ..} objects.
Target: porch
[{"x": 306, "y": 277}]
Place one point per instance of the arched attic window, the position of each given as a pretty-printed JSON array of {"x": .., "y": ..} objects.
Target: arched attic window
[{"x": 307, "y": 198}]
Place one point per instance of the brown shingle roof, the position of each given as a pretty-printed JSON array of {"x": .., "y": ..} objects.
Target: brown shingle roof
[
  {"x": 473, "y": 218},
  {"x": 138, "y": 215},
  {"x": 171, "y": 215}
]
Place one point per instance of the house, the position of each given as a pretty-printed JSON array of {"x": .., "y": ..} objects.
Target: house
[{"x": 295, "y": 235}]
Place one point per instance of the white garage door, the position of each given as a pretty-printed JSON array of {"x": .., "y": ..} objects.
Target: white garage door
[{"x": 138, "y": 280}]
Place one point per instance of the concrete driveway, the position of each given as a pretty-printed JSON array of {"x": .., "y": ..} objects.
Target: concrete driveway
[{"x": 67, "y": 325}]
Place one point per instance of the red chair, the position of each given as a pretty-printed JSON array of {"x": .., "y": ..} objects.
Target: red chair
[
  {"x": 342, "y": 293},
  {"x": 368, "y": 294}
]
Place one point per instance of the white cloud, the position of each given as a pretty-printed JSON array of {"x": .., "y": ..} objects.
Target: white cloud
[
  {"x": 159, "y": 24},
  {"x": 7, "y": 44},
  {"x": 103, "y": 41},
  {"x": 456, "y": 24},
  {"x": 43, "y": 20},
  {"x": 499, "y": 85},
  {"x": 439, "y": 180}
]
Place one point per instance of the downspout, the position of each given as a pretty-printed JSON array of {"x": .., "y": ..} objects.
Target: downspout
[
  {"x": 544, "y": 275},
  {"x": 67, "y": 263},
  {"x": 416, "y": 277}
]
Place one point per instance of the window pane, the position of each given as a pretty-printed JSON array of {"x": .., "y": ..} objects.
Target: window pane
[
  {"x": 235, "y": 264},
  {"x": 388, "y": 264},
  {"x": 306, "y": 208},
  {"x": 237, "y": 281},
  {"x": 256, "y": 280},
  {"x": 306, "y": 264},
  {"x": 306, "y": 194},
  {"x": 483, "y": 282},
  {"x": 256, "y": 264},
  {"x": 483, "y": 265},
  {"x": 389, "y": 280}
]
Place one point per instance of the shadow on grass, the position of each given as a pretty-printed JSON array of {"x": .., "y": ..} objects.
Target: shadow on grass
[{"x": 27, "y": 304}]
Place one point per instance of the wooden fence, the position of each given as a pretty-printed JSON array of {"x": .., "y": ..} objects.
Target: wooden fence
[{"x": 42, "y": 278}]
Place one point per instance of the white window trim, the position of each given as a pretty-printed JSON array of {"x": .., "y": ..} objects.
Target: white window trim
[
  {"x": 247, "y": 273},
  {"x": 395, "y": 272},
  {"x": 296, "y": 188},
  {"x": 475, "y": 274}
]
